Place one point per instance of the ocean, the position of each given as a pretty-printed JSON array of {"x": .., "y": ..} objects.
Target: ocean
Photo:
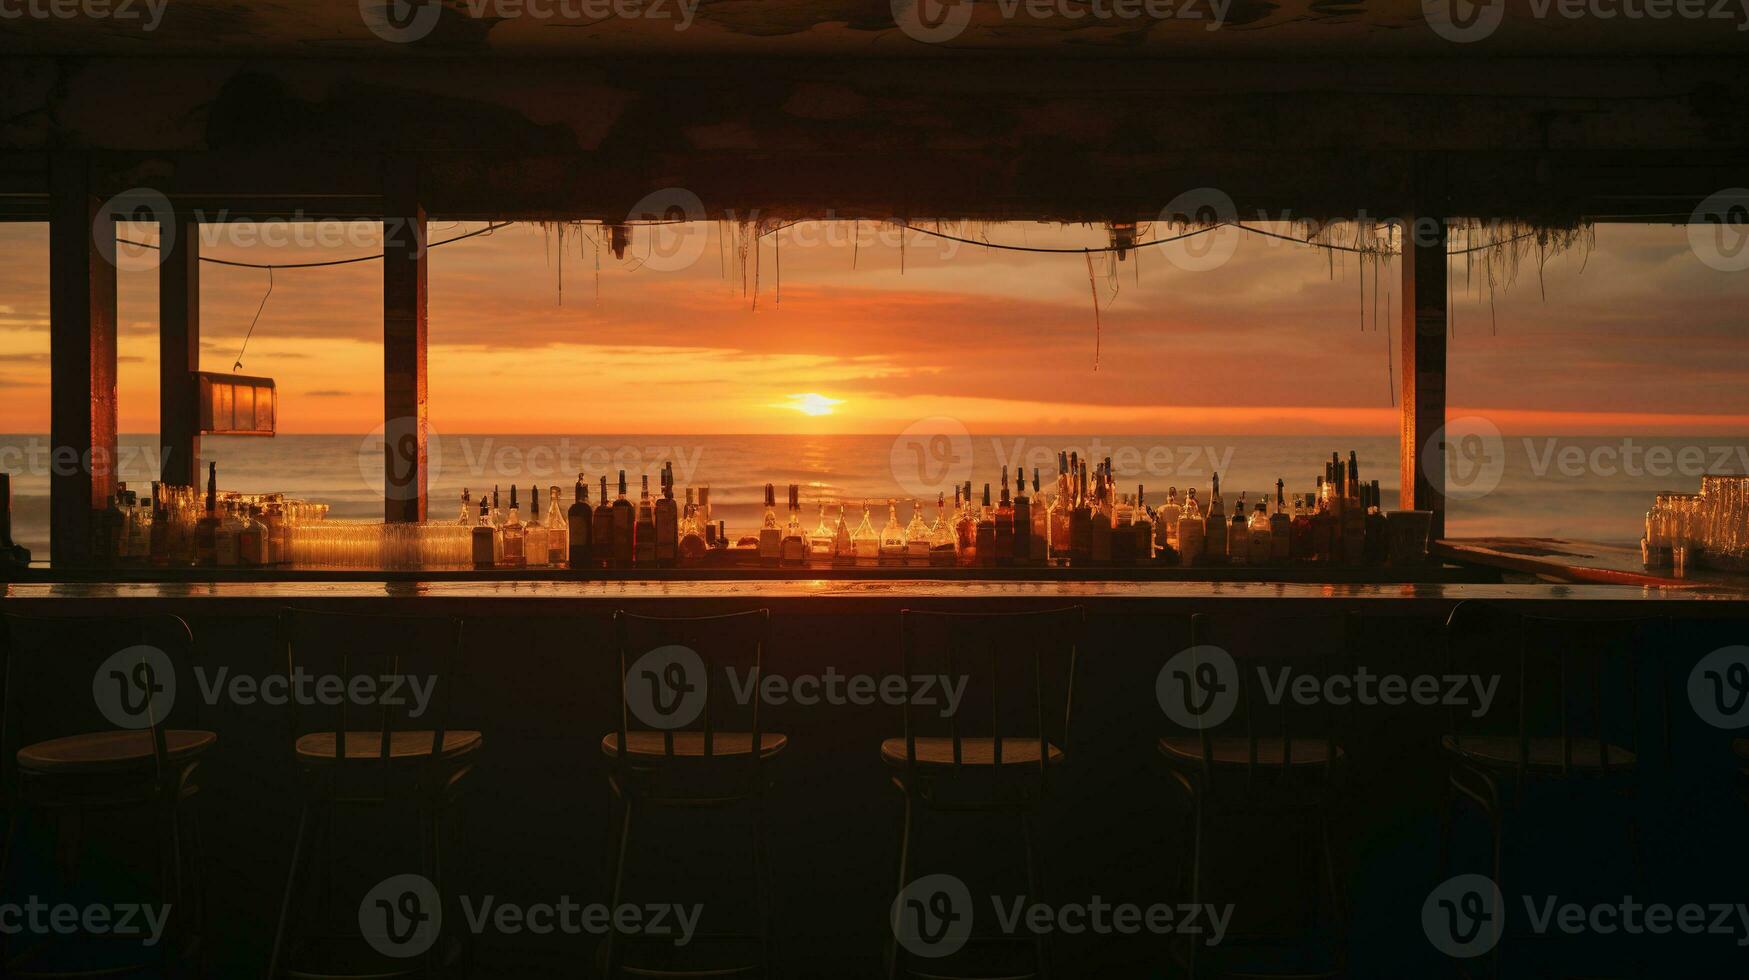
[{"x": 1592, "y": 487}]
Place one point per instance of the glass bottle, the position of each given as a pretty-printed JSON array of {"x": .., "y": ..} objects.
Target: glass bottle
[
  {"x": 1142, "y": 527},
  {"x": 1280, "y": 527},
  {"x": 625, "y": 522},
  {"x": 482, "y": 541},
  {"x": 1058, "y": 515},
  {"x": 206, "y": 530},
  {"x": 667, "y": 520},
  {"x": 985, "y": 532},
  {"x": 601, "y": 530},
  {"x": 965, "y": 525},
  {"x": 842, "y": 548},
  {"x": 1260, "y": 536},
  {"x": 1239, "y": 536},
  {"x": 1377, "y": 540},
  {"x": 1300, "y": 534},
  {"x": 580, "y": 522},
  {"x": 770, "y": 532},
  {"x": 1080, "y": 516},
  {"x": 251, "y": 541},
  {"x": 1100, "y": 513},
  {"x": 467, "y": 517},
  {"x": 1004, "y": 523},
  {"x": 793, "y": 549},
  {"x": 534, "y": 533},
  {"x": 159, "y": 547},
  {"x": 692, "y": 542},
  {"x": 942, "y": 550},
  {"x": 558, "y": 547},
  {"x": 864, "y": 541},
  {"x": 1215, "y": 526},
  {"x": 917, "y": 536},
  {"x": 1322, "y": 524},
  {"x": 644, "y": 528},
  {"x": 1166, "y": 521},
  {"x": 1038, "y": 542},
  {"x": 512, "y": 536},
  {"x": 1191, "y": 544},
  {"x": 893, "y": 548},
  {"x": 820, "y": 542}
]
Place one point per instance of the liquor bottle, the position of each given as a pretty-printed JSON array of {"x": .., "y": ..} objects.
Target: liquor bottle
[
  {"x": 601, "y": 530},
  {"x": 534, "y": 533},
  {"x": 206, "y": 530},
  {"x": 793, "y": 549},
  {"x": 1123, "y": 540},
  {"x": 159, "y": 548},
  {"x": 1058, "y": 516},
  {"x": 942, "y": 550},
  {"x": 558, "y": 546},
  {"x": 580, "y": 521},
  {"x": 1142, "y": 527},
  {"x": 513, "y": 535},
  {"x": 864, "y": 541},
  {"x": 820, "y": 542},
  {"x": 1353, "y": 515},
  {"x": 1238, "y": 536},
  {"x": 770, "y": 531},
  {"x": 497, "y": 511},
  {"x": 843, "y": 550},
  {"x": 984, "y": 540},
  {"x": 644, "y": 528},
  {"x": 1166, "y": 521},
  {"x": 1100, "y": 510},
  {"x": 1280, "y": 527},
  {"x": 1300, "y": 532},
  {"x": 1005, "y": 524},
  {"x": 251, "y": 541},
  {"x": 1080, "y": 517},
  {"x": 625, "y": 522},
  {"x": 1323, "y": 525},
  {"x": 483, "y": 541},
  {"x": 278, "y": 533},
  {"x": 1190, "y": 530},
  {"x": 965, "y": 525},
  {"x": 1377, "y": 546},
  {"x": 917, "y": 536},
  {"x": 693, "y": 545},
  {"x": 1039, "y": 540},
  {"x": 498, "y": 523},
  {"x": 1021, "y": 553},
  {"x": 1215, "y": 526},
  {"x": 1261, "y": 536},
  {"x": 892, "y": 537},
  {"x": 667, "y": 521},
  {"x": 467, "y": 517}
]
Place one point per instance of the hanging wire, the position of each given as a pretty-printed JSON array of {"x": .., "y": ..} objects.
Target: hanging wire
[{"x": 257, "y": 319}]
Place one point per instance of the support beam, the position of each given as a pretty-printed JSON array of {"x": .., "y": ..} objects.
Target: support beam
[
  {"x": 404, "y": 341},
  {"x": 1423, "y": 335},
  {"x": 178, "y": 349},
  {"x": 82, "y": 359}
]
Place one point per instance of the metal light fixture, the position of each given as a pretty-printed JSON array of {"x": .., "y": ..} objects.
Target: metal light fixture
[{"x": 235, "y": 405}]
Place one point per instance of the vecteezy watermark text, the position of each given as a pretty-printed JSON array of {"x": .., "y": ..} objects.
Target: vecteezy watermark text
[
  {"x": 1465, "y": 916},
  {"x": 147, "y": 13},
  {"x": 38, "y": 917},
  {"x": 666, "y": 688}
]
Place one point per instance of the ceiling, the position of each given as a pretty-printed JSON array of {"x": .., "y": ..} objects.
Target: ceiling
[{"x": 1191, "y": 29}]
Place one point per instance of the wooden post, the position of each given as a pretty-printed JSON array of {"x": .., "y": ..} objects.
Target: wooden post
[
  {"x": 405, "y": 426},
  {"x": 82, "y": 357},
  {"x": 1423, "y": 334},
  {"x": 179, "y": 349}
]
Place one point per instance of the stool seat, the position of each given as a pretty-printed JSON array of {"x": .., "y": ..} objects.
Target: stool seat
[
  {"x": 1236, "y": 751},
  {"x": 110, "y": 752},
  {"x": 651, "y": 746},
  {"x": 1504, "y": 752},
  {"x": 937, "y": 752},
  {"x": 318, "y": 748}
]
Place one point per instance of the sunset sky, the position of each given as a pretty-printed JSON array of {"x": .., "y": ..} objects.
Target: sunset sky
[{"x": 1635, "y": 335}]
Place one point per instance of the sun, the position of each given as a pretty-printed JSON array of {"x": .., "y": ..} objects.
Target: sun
[{"x": 811, "y": 403}]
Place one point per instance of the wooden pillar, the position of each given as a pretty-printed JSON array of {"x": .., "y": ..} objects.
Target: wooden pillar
[
  {"x": 1423, "y": 333},
  {"x": 82, "y": 358},
  {"x": 179, "y": 349},
  {"x": 404, "y": 339}
]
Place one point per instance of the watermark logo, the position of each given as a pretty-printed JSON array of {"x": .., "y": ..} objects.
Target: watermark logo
[
  {"x": 139, "y": 205},
  {"x": 402, "y": 916},
  {"x": 931, "y": 456},
  {"x": 135, "y": 688},
  {"x": 1200, "y": 223},
  {"x": 665, "y": 687},
  {"x": 932, "y": 21},
  {"x": 126, "y": 920},
  {"x": 670, "y": 222},
  {"x": 412, "y": 692},
  {"x": 932, "y": 917},
  {"x": 400, "y": 21},
  {"x": 1463, "y": 21},
  {"x": 1464, "y": 916},
  {"x": 1473, "y": 454},
  {"x": 1718, "y": 231},
  {"x": 1718, "y": 687},
  {"x": 1199, "y": 687},
  {"x": 389, "y": 458}
]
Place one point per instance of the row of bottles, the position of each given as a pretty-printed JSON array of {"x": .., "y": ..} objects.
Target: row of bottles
[{"x": 180, "y": 527}]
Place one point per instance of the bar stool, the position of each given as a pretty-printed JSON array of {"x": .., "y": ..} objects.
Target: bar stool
[
  {"x": 391, "y": 751},
  {"x": 1019, "y": 671},
  {"x": 117, "y": 745},
  {"x": 1570, "y": 730},
  {"x": 1234, "y": 755},
  {"x": 683, "y": 743}
]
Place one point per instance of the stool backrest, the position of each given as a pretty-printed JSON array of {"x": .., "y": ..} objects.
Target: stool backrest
[
  {"x": 684, "y": 675},
  {"x": 1575, "y": 679},
  {"x": 77, "y": 675},
  {"x": 373, "y": 675},
  {"x": 1015, "y": 674},
  {"x": 1269, "y": 657}
]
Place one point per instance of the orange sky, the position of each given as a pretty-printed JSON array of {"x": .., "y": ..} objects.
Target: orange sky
[{"x": 1645, "y": 338}]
